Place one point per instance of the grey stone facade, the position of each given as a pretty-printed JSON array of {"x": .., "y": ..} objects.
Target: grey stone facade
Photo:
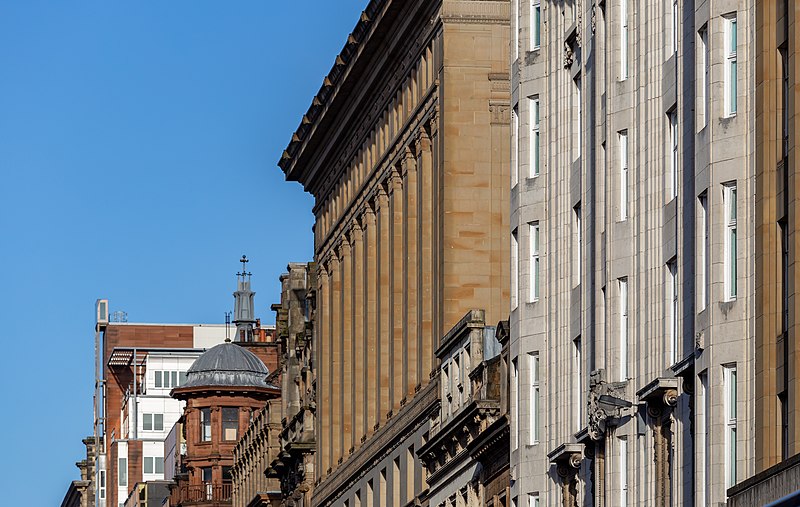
[{"x": 632, "y": 311}]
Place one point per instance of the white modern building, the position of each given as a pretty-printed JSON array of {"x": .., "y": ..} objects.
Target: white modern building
[{"x": 632, "y": 251}]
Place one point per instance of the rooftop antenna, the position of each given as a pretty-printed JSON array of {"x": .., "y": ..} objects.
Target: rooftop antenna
[{"x": 227, "y": 327}]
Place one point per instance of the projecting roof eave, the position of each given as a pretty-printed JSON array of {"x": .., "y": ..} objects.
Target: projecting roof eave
[
  {"x": 182, "y": 393},
  {"x": 363, "y": 40}
]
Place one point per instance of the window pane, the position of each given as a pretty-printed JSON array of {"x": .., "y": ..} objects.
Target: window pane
[
  {"x": 122, "y": 471},
  {"x": 206, "y": 474},
  {"x": 230, "y": 423},
  {"x": 147, "y": 422},
  {"x": 159, "y": 465},
  {"x": 158, "y": 422},
  {"x": 148, "y": 465},
  {"x": 174, "y": 379},
  {"x": 182, "y": 378},
  {"x": 205, "y": 426},
  {"x": 158, "y": 379}
]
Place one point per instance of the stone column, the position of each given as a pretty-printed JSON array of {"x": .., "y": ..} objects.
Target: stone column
[
  {"x": 383, "y": 321},
  {"x": 359, "y": 344},
  {"x": 370, "y": 255},
  {"x": 322, "y": 356},
  {"x": 398, "y": 283},
  {"x": 412, "y": 306},
  {"x": 425, "y": 193},
  {"x": 347, "y": 346},
  {"x": 335, "y": 359}
]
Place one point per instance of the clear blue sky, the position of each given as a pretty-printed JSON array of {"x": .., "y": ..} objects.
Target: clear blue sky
[{"x": 138, "y": 151}]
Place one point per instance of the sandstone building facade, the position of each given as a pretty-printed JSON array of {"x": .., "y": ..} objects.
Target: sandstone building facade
[
  {"x": 633, "y": 232},
  {"x": 777, "y": 357},
  {"x": 405, "y": 152}
]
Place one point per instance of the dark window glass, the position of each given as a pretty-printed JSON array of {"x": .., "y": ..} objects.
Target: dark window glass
[{"x": 230, "y": 423}]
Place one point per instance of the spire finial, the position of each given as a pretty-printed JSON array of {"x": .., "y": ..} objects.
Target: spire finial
[
  {"x": 244, "y": 260},
  {"x": 227, "y": 327}
]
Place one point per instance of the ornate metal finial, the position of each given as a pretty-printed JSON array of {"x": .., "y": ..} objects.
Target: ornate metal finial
[
  {"x": 227, "y": 327},
  {"x": 244, "y": 260}
]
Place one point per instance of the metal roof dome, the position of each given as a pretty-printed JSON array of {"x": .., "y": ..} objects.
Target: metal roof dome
[{"x": 227, "y": 365}]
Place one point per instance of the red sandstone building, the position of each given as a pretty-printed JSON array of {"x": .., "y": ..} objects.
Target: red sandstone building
[{"x": 225, "y": 387}]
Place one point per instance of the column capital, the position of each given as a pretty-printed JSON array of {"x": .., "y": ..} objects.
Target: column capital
[
  {"x": 423, "y": 140},
  {"x": 356, "y": 232},
  {"x": 395, "y": 180}
]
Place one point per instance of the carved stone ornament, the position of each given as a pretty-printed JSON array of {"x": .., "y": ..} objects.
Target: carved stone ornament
[
  {"x": 671, "y": 397},
  {"x": 569, "y": 55}
]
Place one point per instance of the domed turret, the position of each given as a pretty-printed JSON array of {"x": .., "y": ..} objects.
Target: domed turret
[{"x": 227, "y": 365}]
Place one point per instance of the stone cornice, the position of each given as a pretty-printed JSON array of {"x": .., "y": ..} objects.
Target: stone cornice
[
  {"x": 379, "y": 445},
  {"x": 476, "y": 12}
]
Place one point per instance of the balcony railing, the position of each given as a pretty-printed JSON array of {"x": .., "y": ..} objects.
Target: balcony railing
[{"x": 206, "y": 493}]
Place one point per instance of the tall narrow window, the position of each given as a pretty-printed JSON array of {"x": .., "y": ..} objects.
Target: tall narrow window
[
  {"x": 623, "y": 174},
  {"x": 783, "y": 234},
  {"x": 672, "y": 282},
  {"x": 514, "y": 269},
  {"x": 515, "y": 29},
  {"x": 122, "y": 471},
  {"x": 577, "y": 249},
  {"x": 673, "y": 141},
  {"x": 702, "y": 252},
  {"x": 515, "y": 146},
  {"x": 702, "y": 74},
  {"x": 730, "y": 65},
  {"x": 534, "y": 140},
  {"x": 729, "y": 383},
  {"x": 701, "y": 429},
  {"x": 102, "y": 484},
  {"x": 623, "y": 40},
  {"x": 205, "y": 424},
  {"x": 533, "y": 500},
  {"x": 729, "y": 198},
  {"x": 533, "y": 268},
  {"x": 577, "y": 383},
  {"x": 623, "y": 329},
  {"x": 516, "y": 397},
  {"x": 579, "y": 118},
  {"x": 533, "y": 365},
  {"x": 622, "y": 444},
  {"x": 675, "y": 25},
  {"x": 230, "y": 423},
  {"x": 536, "y": 24}
]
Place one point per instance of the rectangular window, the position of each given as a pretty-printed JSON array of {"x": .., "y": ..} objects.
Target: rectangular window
[
  {"x": 623, "y": 40},
  {"x": 701, "y": 428},
  {"x": 577, "y": 383},
  {"x": 147, "y": 422},
  {"x": 205, "y": 424},
  {"x": 533, "y": 365},
  {"x": 729, "y": 383},
  {"x": 181, "y": 378},
  {"x": 623, "y": 329},
  {"x": 148, "y": 465},
  {"x": 729, "y": 200},
  {"x": 674, "y": 157},
  {"x": 122, "y": 471},
  {"x": 514, "y": 146},
  {"x": 675, "y": 25},
  {"x": 158, "y": 422},
  {"x": 514, "y": 269},
  {"x": 622, "y": 442},
  {"x": 730, "y": 64},
  {"x": 702, "y": 74},
  {"x": 153, "y": 422},
  {"x": 533, "y": 500},
  {"x": 515, "y": 29},
  {"x": 577, "y": 247},
  {"x": 533, "y": 268},
  {"x": 623, "y": 174},
  {"x": 516, "y": 397},
  {"x": 102, "y": 484},
  {"x": 702, "y": 252},
  {"x": 534, "y": 140},
  {"x": 672, "y": 271},
  {"x": 536, "y": 24},
  {"x": 230, "y": 423},
  {"x": 159, "y": 382},
  {"x": 579, "y": 118}
]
